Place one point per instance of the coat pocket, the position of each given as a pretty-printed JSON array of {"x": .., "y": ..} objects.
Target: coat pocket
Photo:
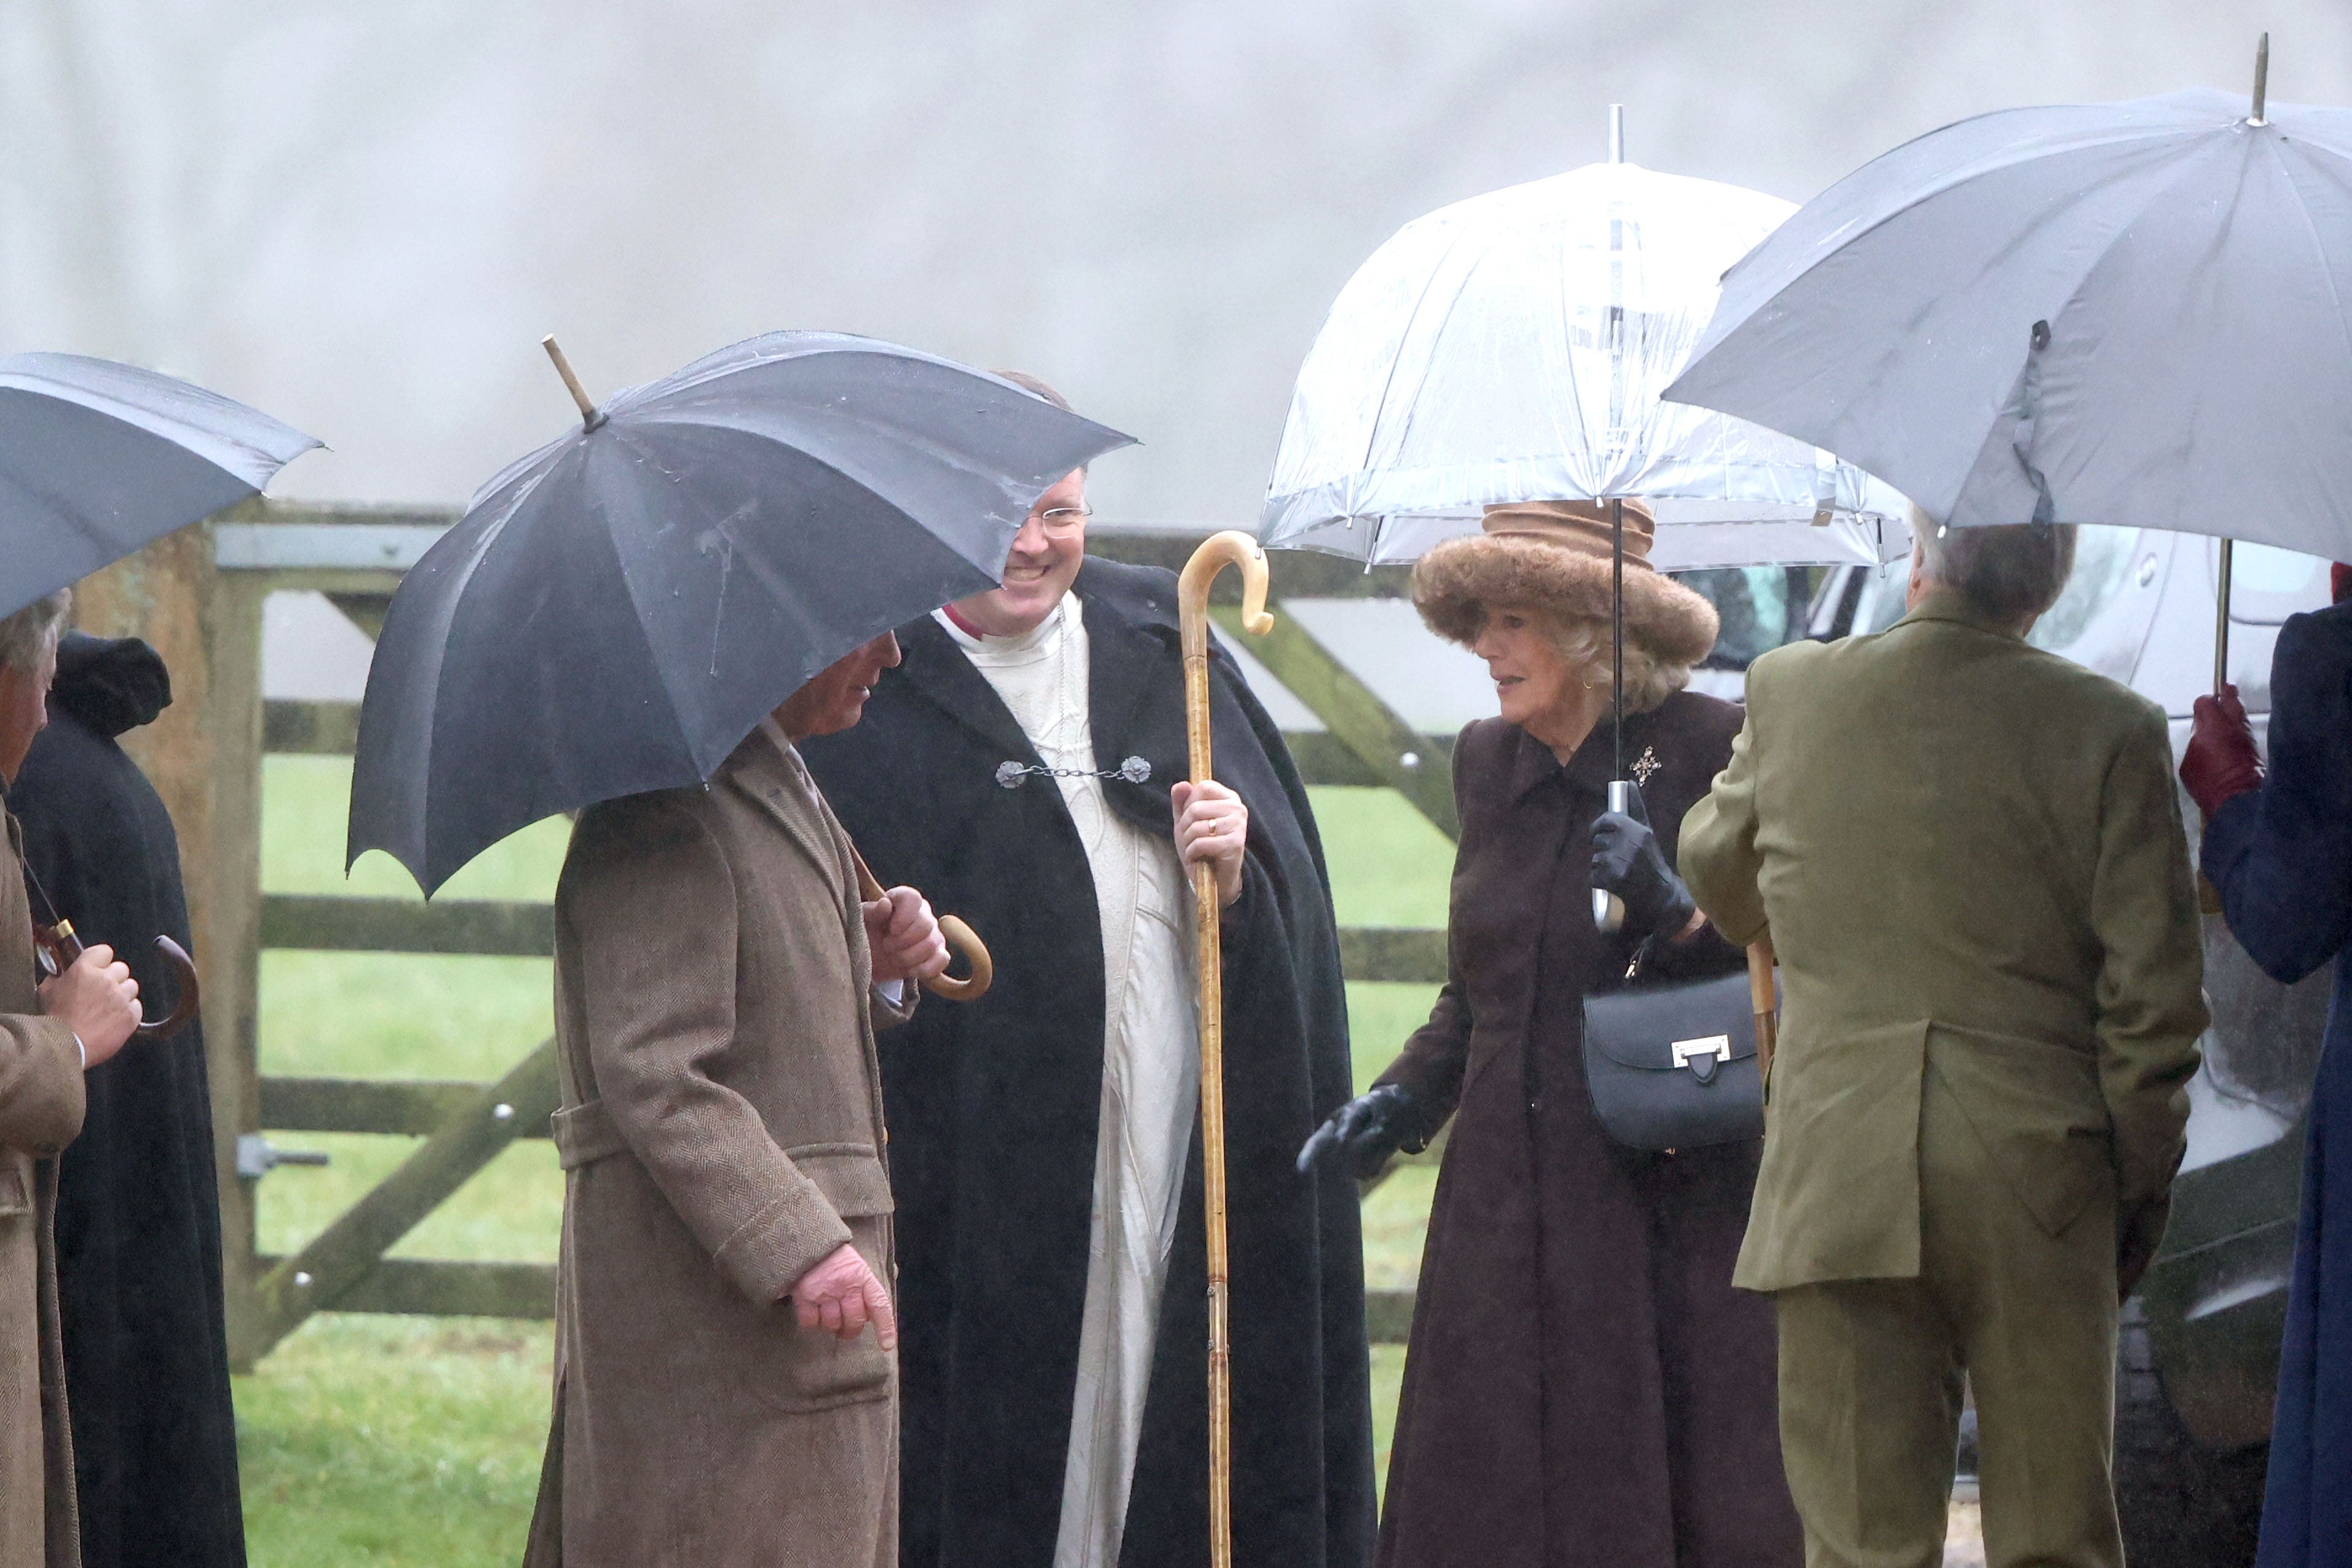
[
  {"x": 852, "y": 1176},
  {"x": 2037, "y": 1110},
  {"x": 809, "y": 1369},
  {"x": 802, "y": 1370},
  {"x": 16, "y": 1187}
]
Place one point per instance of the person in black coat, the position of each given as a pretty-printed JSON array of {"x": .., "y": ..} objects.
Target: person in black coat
[
  {"x": 138, "y": 1228},
  {"x": 2278, "y": 848},
  {"x": 995, "y": 1107}
]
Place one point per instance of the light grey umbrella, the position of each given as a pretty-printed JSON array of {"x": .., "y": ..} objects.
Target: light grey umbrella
[
  {"x": 2133, "y": 313},
  {"x": 98, "y": 458}
]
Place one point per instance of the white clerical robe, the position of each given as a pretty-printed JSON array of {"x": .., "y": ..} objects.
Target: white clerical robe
[{"x": 1152, "y": 1074}]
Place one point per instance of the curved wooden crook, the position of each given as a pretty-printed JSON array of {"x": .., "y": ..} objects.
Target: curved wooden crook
[
  {"x": 1219, "y": 550},
  {"x": 960, "y": 936}
]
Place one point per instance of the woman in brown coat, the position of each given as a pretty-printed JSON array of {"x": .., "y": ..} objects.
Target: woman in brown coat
[{"x": 1583, "y": 1386}]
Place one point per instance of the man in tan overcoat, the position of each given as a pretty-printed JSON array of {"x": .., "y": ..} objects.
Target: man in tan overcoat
[
  {"x": 1971, "y": 858},
  {"x": 48, "y": 1038},
  {"x": 726, "y": 1381}
]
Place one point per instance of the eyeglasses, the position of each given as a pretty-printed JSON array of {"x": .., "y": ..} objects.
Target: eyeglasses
[{"x": 1064, "y": 518}]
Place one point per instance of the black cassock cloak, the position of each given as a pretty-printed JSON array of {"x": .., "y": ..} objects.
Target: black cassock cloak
[
  {"x": 994, "y": 1109},
  {"x": 139, "y": 1257}
]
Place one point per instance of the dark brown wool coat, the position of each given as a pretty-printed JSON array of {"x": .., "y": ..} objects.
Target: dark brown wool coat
[
  {"x": 721, "y": 1133},
  {"x": 40, "y": 1111},
  {"x": 1583, "y": 1388}
]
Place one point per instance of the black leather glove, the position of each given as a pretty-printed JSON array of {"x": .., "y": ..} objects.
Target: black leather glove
[
  {"x": 1627, "y": 860},
  {"x": 1367, "y": 1130}
]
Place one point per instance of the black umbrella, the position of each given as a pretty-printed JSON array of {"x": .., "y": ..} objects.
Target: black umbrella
[
  {"x": 617, "y": 611},
  {"x": 98, "y": 459}
]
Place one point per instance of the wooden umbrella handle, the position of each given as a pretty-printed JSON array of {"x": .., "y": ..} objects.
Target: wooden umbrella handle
[
  {"x": 60, "y": 947},
  {"x": 1764, "y": 996},
  {"x": 960, "y": 936}
]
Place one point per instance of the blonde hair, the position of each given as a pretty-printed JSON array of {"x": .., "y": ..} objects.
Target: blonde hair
[{"x": 1584, "y": 641}]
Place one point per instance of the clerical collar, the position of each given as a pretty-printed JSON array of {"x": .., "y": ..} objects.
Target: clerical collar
[{"x": 1036, "y": 636}]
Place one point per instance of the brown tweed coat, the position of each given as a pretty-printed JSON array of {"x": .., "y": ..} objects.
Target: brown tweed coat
[
  {"x": 40, "y": 1112},
  {"x": 721, "y": 1133}
]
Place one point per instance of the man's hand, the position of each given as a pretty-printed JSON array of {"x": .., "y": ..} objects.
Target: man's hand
[
  {"x": 1213, "y": 825},
  {"x": 841, "y": 1295},
  {"x": 2219, "y": 760},
  {"x": 905, "y": 937},
  {"x": 97, "y": 999}
]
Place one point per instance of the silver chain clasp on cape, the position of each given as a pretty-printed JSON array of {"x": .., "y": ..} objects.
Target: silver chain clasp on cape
[{"x": 1011, "y": 774}]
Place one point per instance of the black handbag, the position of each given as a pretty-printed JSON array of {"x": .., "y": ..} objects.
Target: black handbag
[{"x": 1675, "y": 1067}]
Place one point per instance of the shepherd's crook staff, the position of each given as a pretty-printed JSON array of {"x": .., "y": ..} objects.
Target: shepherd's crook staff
[{"x": 1217, "y": 552}]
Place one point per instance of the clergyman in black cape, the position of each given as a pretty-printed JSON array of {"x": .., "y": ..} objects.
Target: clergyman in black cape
[
  {"x": 995, "y": 1107},
  {"x": 138, "y": 1228}
]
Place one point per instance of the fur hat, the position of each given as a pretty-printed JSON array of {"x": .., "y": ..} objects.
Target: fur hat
[{"x": 1555, "y": 556}]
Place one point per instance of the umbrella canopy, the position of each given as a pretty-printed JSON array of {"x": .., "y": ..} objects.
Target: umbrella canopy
[
  {"x": 2128, "y": 313},
  {"x": 98, "y": 459},
  {"x": 617, "y": 611},
  {"x": 1512, "y": 347}
]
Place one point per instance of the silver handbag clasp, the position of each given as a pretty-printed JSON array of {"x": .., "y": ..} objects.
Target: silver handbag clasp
[{"x": 1705, "y": 1055}]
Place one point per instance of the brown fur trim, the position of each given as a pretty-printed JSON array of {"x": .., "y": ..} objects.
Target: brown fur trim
[{"x": 1453, "y": 585}]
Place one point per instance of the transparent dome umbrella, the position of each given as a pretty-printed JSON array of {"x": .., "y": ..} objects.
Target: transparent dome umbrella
[
  {"x": 98, "y": 459},
  {"x": 1513, "y": 347},
  {"x": 2126, "y": 313},
  {"x": 617, "y": 611}
]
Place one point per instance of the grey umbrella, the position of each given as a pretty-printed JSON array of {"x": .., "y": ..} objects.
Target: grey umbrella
[
  {"x": 98, "y": 459},
  {"x": 617, "y": 611},
  {"x": 2131, "y": 313}
]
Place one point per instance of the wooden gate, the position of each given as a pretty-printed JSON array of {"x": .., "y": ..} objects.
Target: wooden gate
[{"x": 198, "y": 597}]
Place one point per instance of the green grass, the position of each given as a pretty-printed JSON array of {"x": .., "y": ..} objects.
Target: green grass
[
  {"x": 395, "y": 1441},
  {"x": 398, "y": 1441}
]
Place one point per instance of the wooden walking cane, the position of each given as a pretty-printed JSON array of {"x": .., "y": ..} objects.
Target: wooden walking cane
[
  {"x": 1764, "y": 996},
  {"x": 1219, "y": 550}
]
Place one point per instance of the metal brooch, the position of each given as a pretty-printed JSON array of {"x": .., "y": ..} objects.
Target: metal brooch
[{"x": 1011, "y": 774}]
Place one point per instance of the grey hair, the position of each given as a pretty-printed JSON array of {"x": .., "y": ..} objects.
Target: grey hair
[
  {"x": 29, "y": 634},
  {"x": 2014, "y": 572},
  {"x": 1584, "y": 641}
]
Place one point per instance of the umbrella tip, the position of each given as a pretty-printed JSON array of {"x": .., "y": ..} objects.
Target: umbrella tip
[
  {"x": 589, "y": 416},
  {"x": 2262, "y": 81},
  {"x": 1617, "y": 130}
]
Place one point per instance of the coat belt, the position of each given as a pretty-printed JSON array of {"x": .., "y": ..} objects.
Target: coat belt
[{"x": 585, "y": 1134}]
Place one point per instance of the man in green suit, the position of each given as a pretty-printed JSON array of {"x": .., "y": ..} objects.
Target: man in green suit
[{"x": 1969, "y": 857}]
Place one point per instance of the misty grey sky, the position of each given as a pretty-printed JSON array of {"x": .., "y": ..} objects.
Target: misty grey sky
[{"x": 361, "y": 218}]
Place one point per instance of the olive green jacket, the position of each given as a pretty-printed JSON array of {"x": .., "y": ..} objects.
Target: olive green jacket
[{"x": 1971, "y": 858}]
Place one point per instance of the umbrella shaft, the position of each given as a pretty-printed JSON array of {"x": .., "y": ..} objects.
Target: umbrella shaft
[
  {"x": 1617, "y": 630},
  {"x": 2222, "y": 618}
]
